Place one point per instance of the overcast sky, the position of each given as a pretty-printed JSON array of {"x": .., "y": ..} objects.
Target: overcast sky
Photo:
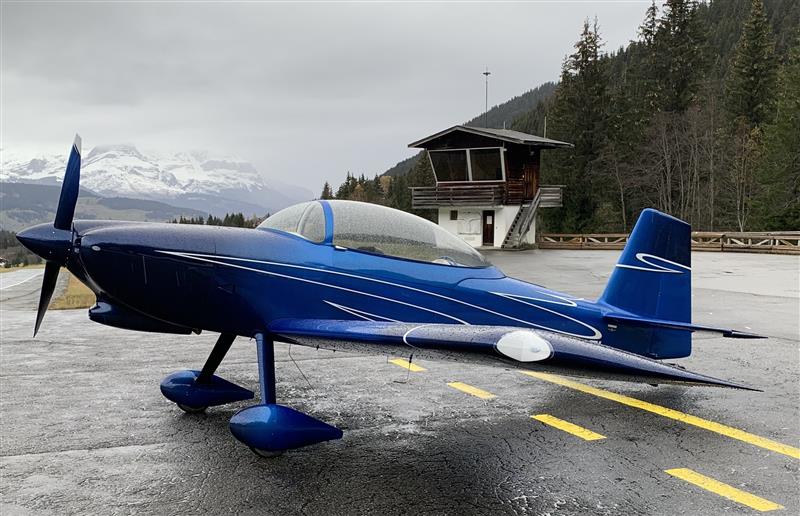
[{"x": 304, "y": 91}]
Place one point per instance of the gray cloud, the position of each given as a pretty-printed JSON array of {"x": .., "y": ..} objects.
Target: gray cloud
[{"x": 306, "y": 91}]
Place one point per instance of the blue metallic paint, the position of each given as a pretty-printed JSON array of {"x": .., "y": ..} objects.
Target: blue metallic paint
[
  {"x": 276, "y": 427},
  {"x": 118, "y": 316},
  {"x": 182, "y": 388},
  {"x": 266, "y": 283}
]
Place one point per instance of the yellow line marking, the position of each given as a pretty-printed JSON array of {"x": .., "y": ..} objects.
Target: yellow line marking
[
  {"x": 733, "y": 433},
  {"x": 469, "y": 389},
  {"x": 583, "y": 433},
  {"x": 724, "y": 490},
  {"x": 405, "y": 364}
]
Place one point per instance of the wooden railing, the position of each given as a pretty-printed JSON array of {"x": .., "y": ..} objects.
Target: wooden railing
[
  {"x": 552, "y": 196},
  {"x": 471, "y": 194},
  {"x": 480, "y": 194},
  {"x": 776, "y": 242},
  {"x": 515, "y": 191}
]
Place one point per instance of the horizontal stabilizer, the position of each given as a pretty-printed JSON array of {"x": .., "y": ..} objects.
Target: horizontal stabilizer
[
  {"x": 529, "y": 349},
  {"x": 645, "y": 322}
]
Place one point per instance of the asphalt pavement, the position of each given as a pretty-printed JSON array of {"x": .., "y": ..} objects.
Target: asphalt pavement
[{"x": 85, "y": 430}]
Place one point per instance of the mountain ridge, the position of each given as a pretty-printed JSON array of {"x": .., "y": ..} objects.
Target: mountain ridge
[
  {"x": 195, "y": 180},
  {"x": 26, "y": 204}
]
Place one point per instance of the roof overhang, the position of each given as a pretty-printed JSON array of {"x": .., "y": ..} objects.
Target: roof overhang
[{"x": 505, "y": 135}]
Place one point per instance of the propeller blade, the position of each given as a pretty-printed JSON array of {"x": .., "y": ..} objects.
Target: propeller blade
[
  {"x": 48, "y": 286},
  {"x": 69, "y": 188}
]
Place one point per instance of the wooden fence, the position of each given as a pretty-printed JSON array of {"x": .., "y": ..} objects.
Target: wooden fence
[{"x": 787, "y": 242}]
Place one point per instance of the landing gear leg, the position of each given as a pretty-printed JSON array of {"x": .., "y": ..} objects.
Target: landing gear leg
[
  {"x": 215, "y": 358},
  {"x": 266, "y": 369},
  {"x": 270, "y": 429},
  {"x": 195, "y": 391}
]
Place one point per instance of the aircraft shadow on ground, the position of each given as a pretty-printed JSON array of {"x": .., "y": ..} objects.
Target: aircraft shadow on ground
[{"x": 503, "y": 465}]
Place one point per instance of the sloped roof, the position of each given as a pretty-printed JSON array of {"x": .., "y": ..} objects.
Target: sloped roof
[{"x": 506, "y": 135}]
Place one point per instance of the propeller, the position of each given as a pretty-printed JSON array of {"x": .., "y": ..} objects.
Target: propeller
[
  {"x": 69, "y": 188},
  {"x": 54, "y": 242},
  {"x": 48, "y": 286}
]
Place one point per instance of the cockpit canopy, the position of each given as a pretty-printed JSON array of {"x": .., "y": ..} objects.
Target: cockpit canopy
[{"x": 376, "y": 229}]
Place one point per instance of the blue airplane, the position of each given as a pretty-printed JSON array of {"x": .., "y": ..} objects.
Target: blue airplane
[{"x": 342, "y": 275}]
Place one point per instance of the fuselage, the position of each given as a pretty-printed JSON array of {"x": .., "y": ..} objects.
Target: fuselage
[{"x": 239, "y": 280}]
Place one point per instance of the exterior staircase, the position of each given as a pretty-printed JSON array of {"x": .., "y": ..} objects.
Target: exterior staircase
[{"x": 546, "y": 197}]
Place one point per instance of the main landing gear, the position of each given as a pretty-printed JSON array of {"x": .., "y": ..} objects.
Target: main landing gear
[{"x": 269, "y": 429}]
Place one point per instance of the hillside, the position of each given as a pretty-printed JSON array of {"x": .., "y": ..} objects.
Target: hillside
[
  {"x": 697, "y": 118},
  {"x": 23, "y": 205},
  {"x": 504, "y": 115},
  {"x": 499, "y": 116}
]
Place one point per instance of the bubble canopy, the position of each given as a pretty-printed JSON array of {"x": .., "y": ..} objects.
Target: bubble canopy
[{"x": 376, "y": 229}]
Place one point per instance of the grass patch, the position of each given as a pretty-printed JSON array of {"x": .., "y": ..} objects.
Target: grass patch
[{"x": 77, "y": 295}]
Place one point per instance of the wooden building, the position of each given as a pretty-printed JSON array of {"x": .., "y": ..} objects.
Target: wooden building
[{"x": 487, "y": 188}]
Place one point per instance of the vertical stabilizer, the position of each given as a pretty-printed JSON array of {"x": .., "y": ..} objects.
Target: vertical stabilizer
[{"x": 653, "y": 280}]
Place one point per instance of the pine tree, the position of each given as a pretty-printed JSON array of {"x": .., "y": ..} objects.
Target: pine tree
[
  {"x": 680, "y": 43},
  {"x": 749, "y": 88},
  {"x": 778, "y": 205},
  {"x": 420, "y": 175},
  {"x": 327, "y": 193},
  {"x": 647, "y": 83},
  {"x": 347, "y": 188},
  {"x": 399, "y": 196},
  {"x": 579, "y": 116},
  {"x": 648, "y": 28}
]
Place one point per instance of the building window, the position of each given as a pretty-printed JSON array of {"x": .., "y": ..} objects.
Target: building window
[
  {"x": 450, "y": 165},
  {"x": 486, "y": 164},
  {"x": 458, "y": 165},
  {"x": 453, "y": 214}
]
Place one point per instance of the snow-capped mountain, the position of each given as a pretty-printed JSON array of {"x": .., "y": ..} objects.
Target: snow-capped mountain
[{"x": 216, "y": 184}]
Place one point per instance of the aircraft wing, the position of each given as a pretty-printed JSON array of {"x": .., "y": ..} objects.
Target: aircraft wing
[{"x": 499, "y": 345}]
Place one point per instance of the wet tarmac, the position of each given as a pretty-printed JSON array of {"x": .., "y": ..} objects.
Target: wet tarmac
[{"x": 84, "y": 428}]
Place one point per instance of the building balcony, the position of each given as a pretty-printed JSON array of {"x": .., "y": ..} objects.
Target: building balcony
[{"x": 503, "y": 193}]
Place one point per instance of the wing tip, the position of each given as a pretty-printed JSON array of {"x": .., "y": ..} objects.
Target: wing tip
[{"x": 737, "y": 334}]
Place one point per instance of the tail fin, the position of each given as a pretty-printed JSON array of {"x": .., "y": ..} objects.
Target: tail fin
[{"x": 653, "y": 280}]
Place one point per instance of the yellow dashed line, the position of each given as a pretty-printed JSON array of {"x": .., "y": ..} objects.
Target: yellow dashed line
[
  {"x": 724, "y": 490},
  {"x": 727, "y": 431},
  {"x": 405, "y": 364},
  {"x": 469, "y": 389},
  {"x": 583, "y": 433}
]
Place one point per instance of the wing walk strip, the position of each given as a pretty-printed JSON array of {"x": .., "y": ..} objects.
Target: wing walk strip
[
  {"x": 733, "y": 433},
  {"x": 405, "y": 364},
  {"x": 724, "y": 490},
  {"x": 579, "y": 431}
]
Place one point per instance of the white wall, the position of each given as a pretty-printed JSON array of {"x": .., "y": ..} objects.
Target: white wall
[{"x": 469, "y": 225}]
